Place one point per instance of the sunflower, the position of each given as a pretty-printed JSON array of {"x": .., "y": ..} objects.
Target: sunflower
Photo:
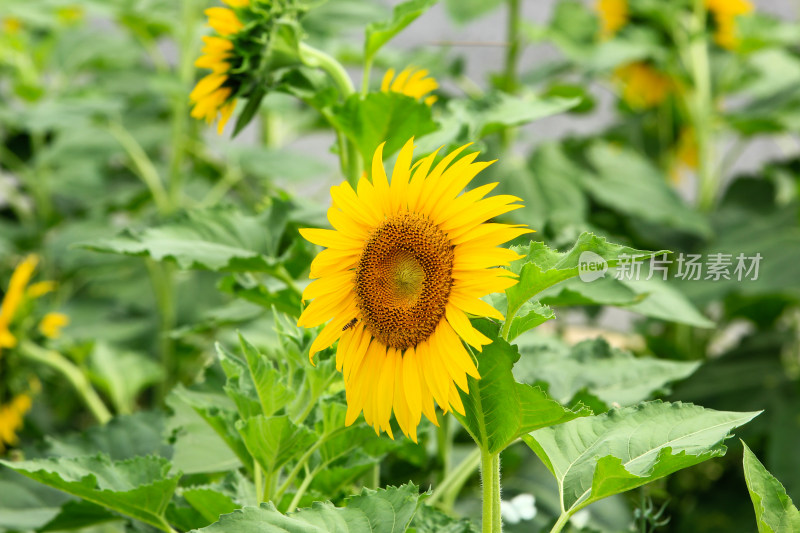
[
  {"x": 12, "y": 416},
  {"x": 212, "y": 94},
  {"x": 613, "y": 16},
  {"x": 19, "y": 291},
  {"x": 642, "y": 85},
  {"x": 411, "y": 82},
  {"x": 13, "y": 298},
  {"x": 725, "y": 13},
  {"x": 404, "y": 266},
  {"x": 52, "y": 323}
]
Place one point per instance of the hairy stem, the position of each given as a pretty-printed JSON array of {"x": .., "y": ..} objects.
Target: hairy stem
[{"x": 490, "y": 476}]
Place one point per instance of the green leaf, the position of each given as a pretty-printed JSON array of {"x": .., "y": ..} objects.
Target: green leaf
[
  {"x": 431, "y": 520},
  {"x": 653, "y": 298},
  {"x": 124, "y": 437},
  {"x": 139, "y": 488},
  {"x": 26, "y": 504},
  {"x": 614, "y": 376},
  {"x": 216, "y": 412},
  {"x": 122, "y": 375},
  {"x": 631, "y": 184},
  {"x": 211, "y": 504},
  {"x": 530, "y": 315},
  {"x": 249, "y": 112},
  {"x": 543, "y": 267},
  {"x": 78, "y": 515},
  {"x": 387, "y": 510},
  {"x": 663, "y": 301},
  {"x": 382, "y": 116},
  {"x": 498, "y": 409},
  {"x": 380, "y": 33},
  {"x": 775, "y": 512},
  {"x": 274, "y": 441},
  {"x": 219, "y": 239},
  {"x": 595, "y": 457},
  {"x": 463, "y": 11},
  {"x": 505, "y": 111},
  {"x": 271, "y": 391}
]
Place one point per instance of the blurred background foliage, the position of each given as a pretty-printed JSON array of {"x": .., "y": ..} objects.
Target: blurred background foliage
[{"x": 98, "y": 153}]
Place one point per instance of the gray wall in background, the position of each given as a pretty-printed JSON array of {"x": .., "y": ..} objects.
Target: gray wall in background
[{"x": 435, "y": 27}]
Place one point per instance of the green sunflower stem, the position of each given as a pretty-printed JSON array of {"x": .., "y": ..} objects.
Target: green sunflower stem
[
  {"x": 451, "y": 485},
  {"x": 490, "y": 480},
  {"x": 316, "y": 58},
  {"x": 560, "y": 523},
  {"x": 702, "y": 107},
  {"x": 74, "y": 375}
]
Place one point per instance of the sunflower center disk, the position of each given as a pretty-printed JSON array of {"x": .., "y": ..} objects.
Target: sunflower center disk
[{"x": 403, "y": 280}]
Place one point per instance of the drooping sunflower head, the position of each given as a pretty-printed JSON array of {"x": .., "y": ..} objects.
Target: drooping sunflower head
[
  {"x": 214, "y": 95},
  {"x": 613, "y": 16},
  {"x": 404, "y": 266},
  {"x": 412, "y": 82},
  {"x": 725, "y": 13},
  {"x": 643, "y": 86}
]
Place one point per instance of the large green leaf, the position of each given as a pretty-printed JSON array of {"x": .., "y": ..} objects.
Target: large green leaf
[
  {"x": 614, "y": 376},
  {"x": 498, "y": 410},
  {"x": 274, "y": 441},
  {"x": 542, "y": 267},
  {"x": 380, "y": 33},
  {"x": 122, "y": 375},
  {"x": 649, "y": 297},
  {"x": 595, "y": 457},
  {"x": 463, "y": 11},
  {"x": 505, "y": 111},
  {"x": 139, "y": 488},
  {"x": 220, "y": 239},
  {"x": 631, "y": 184},
  {"x": 194, "y": 444},
  {"x": 383, "y": 116},
  {"x": 775, "y": 512},
  {"x": 254, "y": 383},
  {"x": 124, "y": 437},
  {"x": 26, "y": 504},
  {"x": 387, "y": 510}
]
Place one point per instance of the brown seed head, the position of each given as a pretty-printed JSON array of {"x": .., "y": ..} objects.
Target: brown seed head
[{"x": 403, "y": 280}]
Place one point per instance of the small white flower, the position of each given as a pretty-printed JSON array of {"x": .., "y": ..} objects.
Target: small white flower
[
  {"x": 520, "y": 507},
  {"x": 580, "y": 519}
]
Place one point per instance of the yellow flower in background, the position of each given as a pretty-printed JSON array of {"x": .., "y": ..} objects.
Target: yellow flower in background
[
  {"x": 211, "y": 98},
  {"x": 18, "y": 291},
  {"x": 405, "y": 264},
  {"x": 13, "y": 298},
  {"x": 70, "y": 14},
  {"x": 11, "y": 25},
  {"x": 642, "y": 85},
  {"x": 52, "y": 323},
  {"x": 12, "y": 417},
  {"x": 685, "y": 154},
  {"x": 411, "y": 82},
  {"x": 725, "y": 13},
  {"x": 613, "y": 16}
]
